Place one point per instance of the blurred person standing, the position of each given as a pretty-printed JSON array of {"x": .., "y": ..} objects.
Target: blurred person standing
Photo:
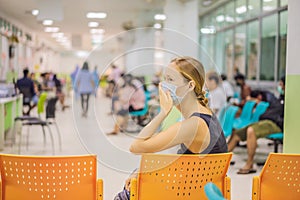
[
  {"x": 26, "y": 87},
  {"x": 228, "y": 89},
  {"x": 84, "y": 86},
  {"x": 96, "y": 79},
  {"x": 216, "y": 96}
]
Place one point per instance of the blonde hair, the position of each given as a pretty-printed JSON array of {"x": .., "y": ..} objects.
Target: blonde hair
[{"x": 193, "y": 70}]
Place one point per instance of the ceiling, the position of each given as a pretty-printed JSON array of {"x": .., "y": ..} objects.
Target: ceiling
[{"x": 139, "y": 13}]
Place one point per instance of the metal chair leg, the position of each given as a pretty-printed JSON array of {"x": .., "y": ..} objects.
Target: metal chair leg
[
  {"x": 59, "y": 135},
  {"x": 52, "y": 140}
]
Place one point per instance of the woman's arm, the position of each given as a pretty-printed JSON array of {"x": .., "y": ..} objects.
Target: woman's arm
[{"x": 181, "y": 132}]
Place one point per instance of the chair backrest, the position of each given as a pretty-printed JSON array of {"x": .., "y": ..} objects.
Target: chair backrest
[
  {"x": 35, "y": 178},
  {"x": 41, "y": 102},
  {"x": 259, "y": 110},
  {"x": 50, "y": 108},
  {"x": 226, "y": 119},
  {"x": 247, "y": 110},
  {"x": 279, "y": 178},
  {"x": 212, "y": 192},
  {"x": 180, "y": 176}
]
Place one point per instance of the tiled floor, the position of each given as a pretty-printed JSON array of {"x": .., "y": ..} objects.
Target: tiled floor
[{"x": 87, "y": 135}]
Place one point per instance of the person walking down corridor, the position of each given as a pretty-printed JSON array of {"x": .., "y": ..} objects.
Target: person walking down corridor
[{"x": 84, "y": 86}]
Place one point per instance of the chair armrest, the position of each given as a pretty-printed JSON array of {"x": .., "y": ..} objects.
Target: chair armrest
[
  {"x": 256, "y": 188},
  {"x": 133, "y": 189},
  {"x": 227, "y": 188},
  {"x": 99, "y": 189}
]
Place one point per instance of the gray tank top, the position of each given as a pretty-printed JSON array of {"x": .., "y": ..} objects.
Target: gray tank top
[{"x": 217, "y": 142}]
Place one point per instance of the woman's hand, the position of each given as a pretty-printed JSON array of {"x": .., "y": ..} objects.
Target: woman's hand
[{"x": 165, "y": 100}]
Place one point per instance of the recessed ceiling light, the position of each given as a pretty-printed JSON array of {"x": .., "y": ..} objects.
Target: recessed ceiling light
[
  {"x": 35, "y": 12},
  {"x": 93, "y": 24},
  {"x": 157, "y": 25},
  {"x": 160, "y": 17},
  {"x": 96, "y": 15},
  {"x": 51, "y": 29},
  {"x": 47, "y": 22},
  {"x": 97, "y": 31}
]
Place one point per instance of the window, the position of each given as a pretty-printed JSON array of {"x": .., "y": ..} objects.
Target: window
[
  {"x": 239, "y": 48},
  {"x": 229, "y": 13},
  {"x": 220, "y": 18},
  {"x": 268, "y": 47},
  {"x": 282, "y": 44},
  {"x": 283, "y": 2},
  {"x": 252, "y": 50},
  {"x": 254, "y": 8},
  {"x": 220, "y": 54},
  {"x": 269, "y": 5},
  {"x": 240, "y": 10},
  {"x": 229, "y": 53}
]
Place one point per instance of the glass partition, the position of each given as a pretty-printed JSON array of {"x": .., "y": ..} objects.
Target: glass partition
[
  {"x": 268, "y": 47},
  {"x": 239, "y": 48},
  {"x": 252, "y": 50},
  {"x": 282, "y": 43},
  {"x": 269, "y": 5}
]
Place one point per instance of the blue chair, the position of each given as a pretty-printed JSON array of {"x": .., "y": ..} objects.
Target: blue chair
[
  {"x": 212, "y": 192},
  {"x": 259, "y": 110},
  {"x": 245, "y": 115},
  {"x": 226, "y": 119},
  {"x": 277, "y": 138}
]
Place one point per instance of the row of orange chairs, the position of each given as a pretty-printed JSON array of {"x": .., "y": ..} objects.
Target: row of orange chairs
[{"x": 160, "y": 177}]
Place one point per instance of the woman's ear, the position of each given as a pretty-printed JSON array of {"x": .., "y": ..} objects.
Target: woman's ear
[{"x": 191, "y": 85}]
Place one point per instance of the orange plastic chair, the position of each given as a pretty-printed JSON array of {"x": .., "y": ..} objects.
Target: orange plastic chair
[
  {"x": 49, "y": 177},
  {"x": 180, "y": 176},
  {"x": 279, "y": 178}
]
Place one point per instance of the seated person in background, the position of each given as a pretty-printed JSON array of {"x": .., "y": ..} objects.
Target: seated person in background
[
  {"x": 199, "y": 132},
  {"x": 59, "y": 92},
  {"x": 130, "y": 99},
  {"x": 261, "y": 95},
  {"x": 245, "y": 89},
  {"x": 270, "y": 122},
  {"x": 217, "y": 96},
  {"x": 26, "y": 87},
  {"x": 228, "y": 89}
]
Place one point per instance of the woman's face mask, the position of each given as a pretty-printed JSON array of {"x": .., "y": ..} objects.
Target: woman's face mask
[
  {"x": 280, "y": 90},
  {"x": 172, "y": 88}
]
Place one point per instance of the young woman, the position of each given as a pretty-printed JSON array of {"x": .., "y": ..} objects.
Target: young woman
[{"x": 200, "y": 131}]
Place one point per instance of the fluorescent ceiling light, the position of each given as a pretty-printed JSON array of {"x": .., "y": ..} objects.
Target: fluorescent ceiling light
[
  {"x": 47, "y": 22},
  {"x": 93, "y": 24},
  {"x": 160, "y": 17},
  {"x": 268, "y": 0},
  {"x": 157, "y": 25},
  {"x": 241, "y": 9},
  {"x": 35, "y": 12},
  {"x": 220, "y": 18},
  {"x": 51, "y": 29},
  {"x": 97, "y": 31},
  {"x": 208, "y": 30},
  {"x": 229, "y": 19},
  {"x": 96, "y": 15}
]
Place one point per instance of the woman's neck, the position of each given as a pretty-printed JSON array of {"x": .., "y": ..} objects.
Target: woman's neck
[{"x": 191, "y": 105}]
